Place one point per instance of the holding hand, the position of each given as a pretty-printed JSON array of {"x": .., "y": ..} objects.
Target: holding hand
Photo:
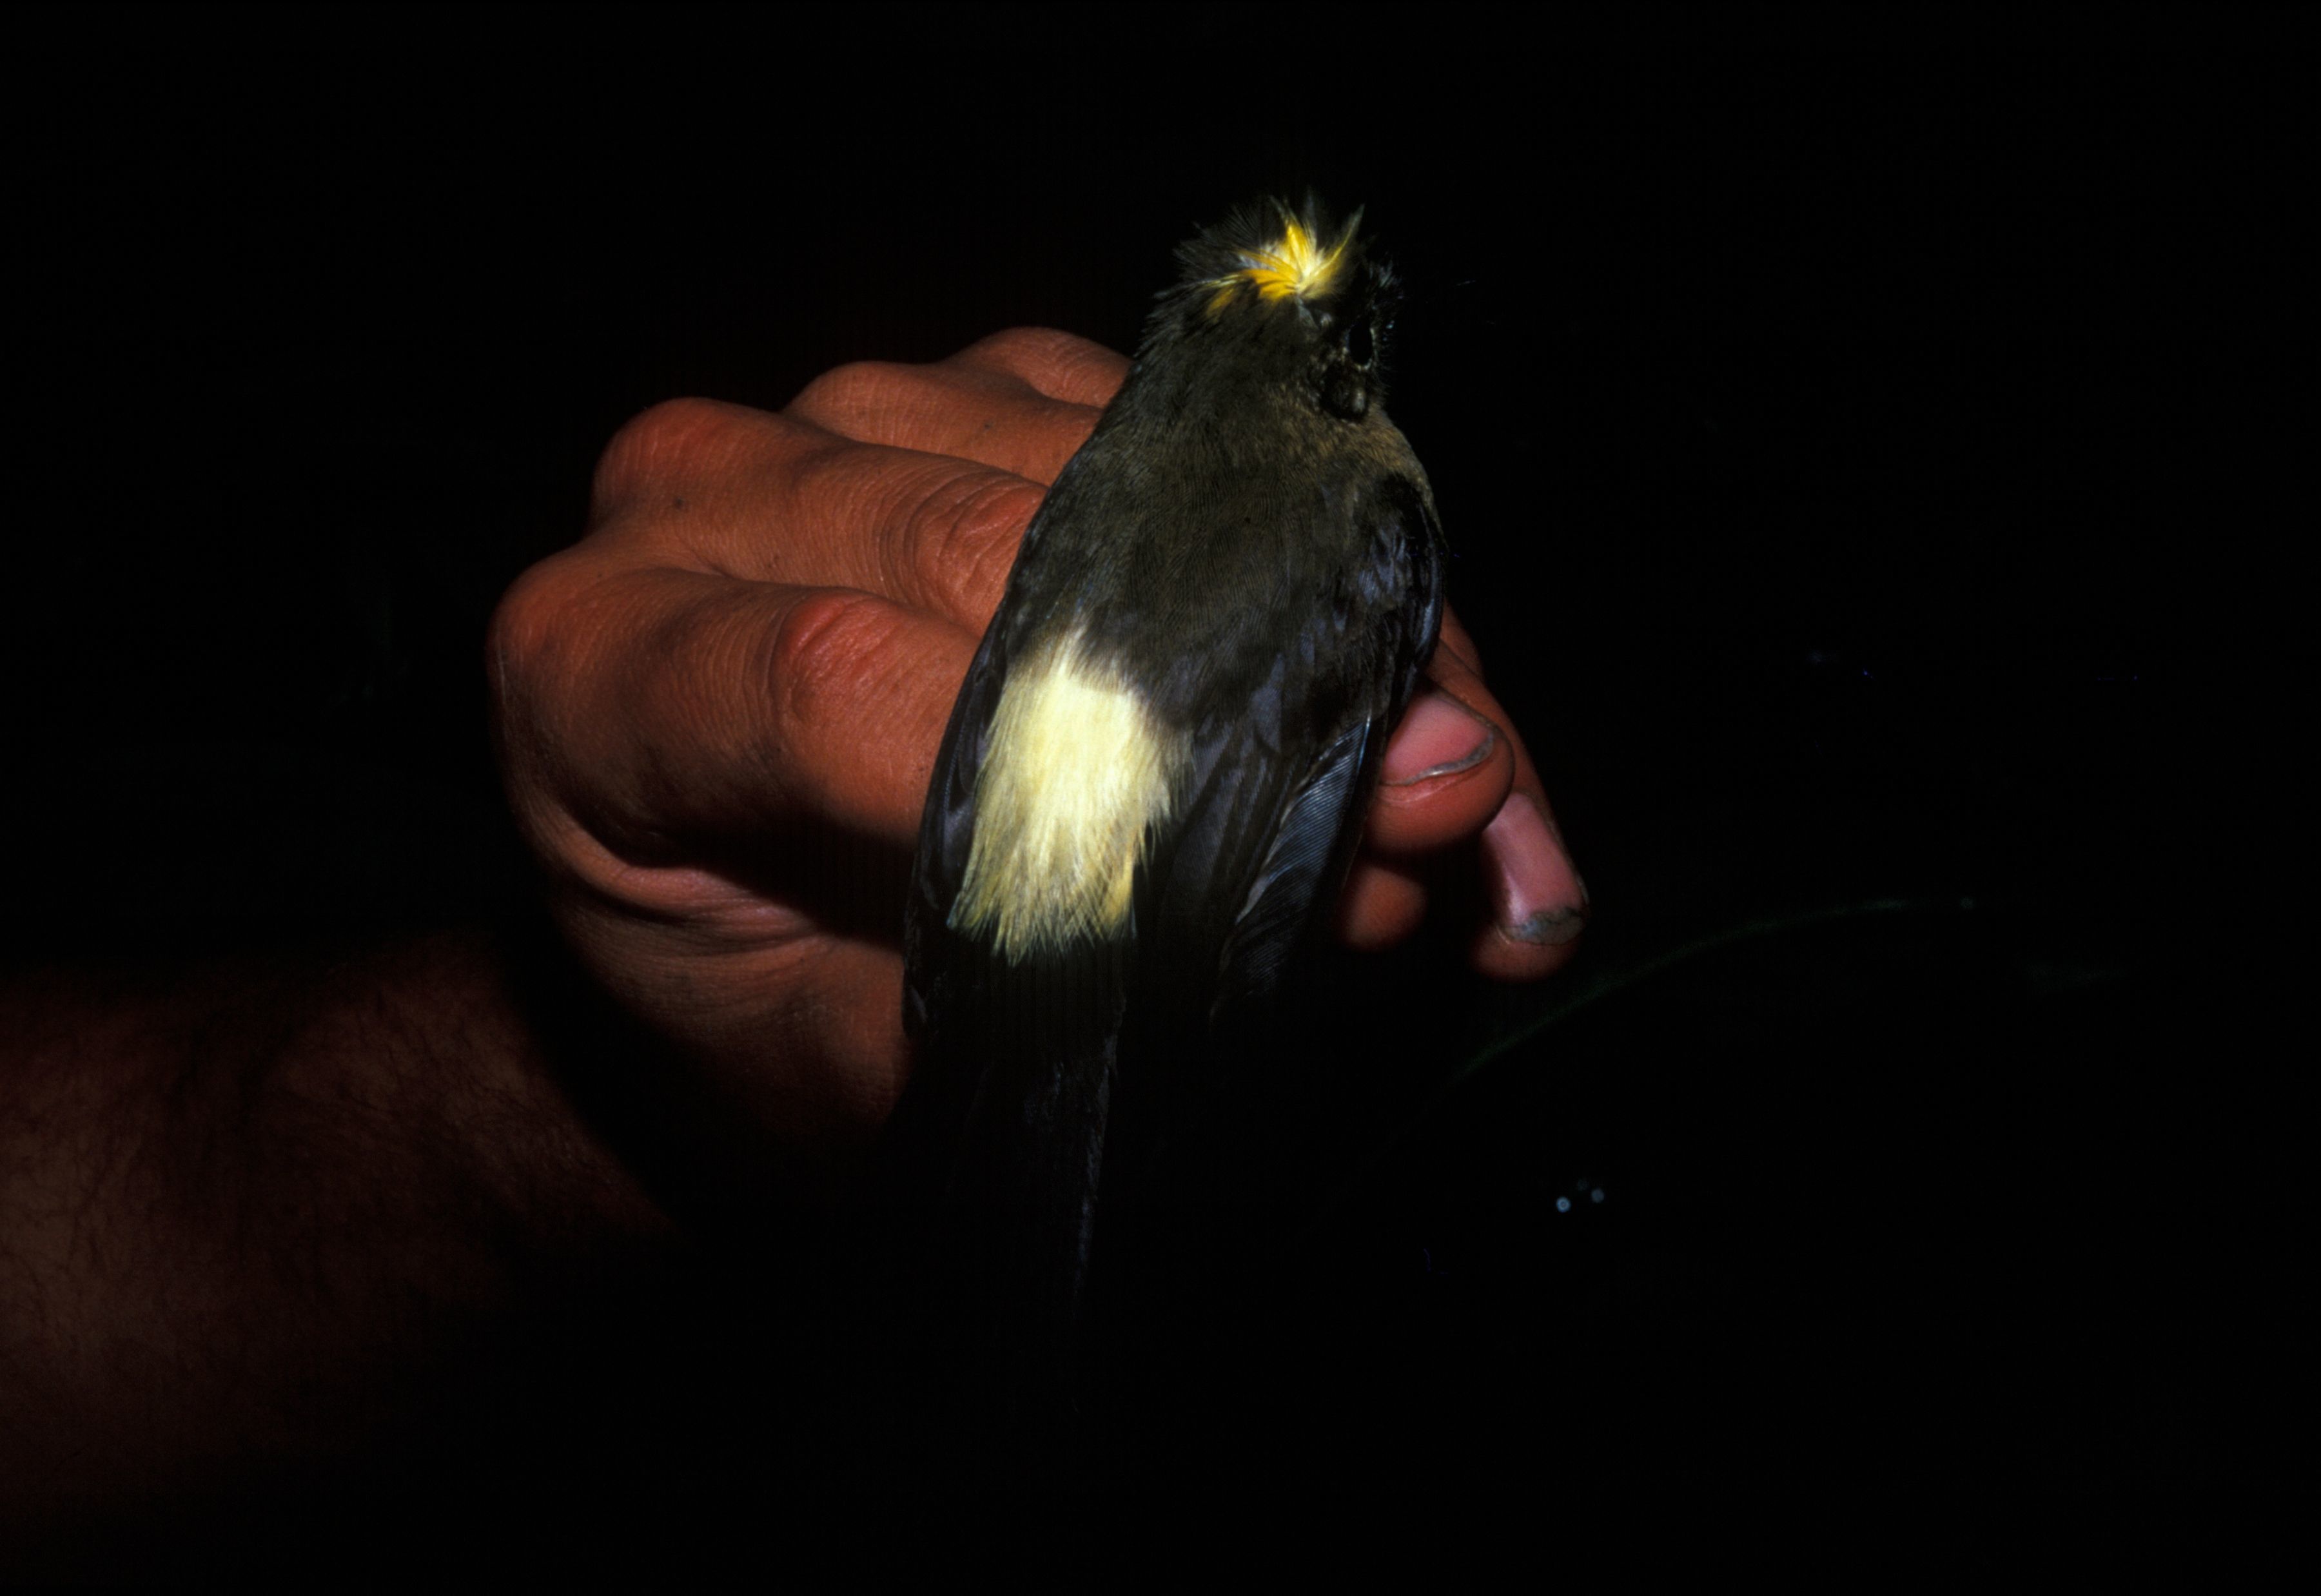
[{"x": 718, "y": 713}]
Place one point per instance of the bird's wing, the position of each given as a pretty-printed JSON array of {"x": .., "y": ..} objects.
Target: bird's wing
[
  {"x": 999, "y": 1139},
  {"x": 1270, "y": 828},
  {"x": 995, "y": 1030}
]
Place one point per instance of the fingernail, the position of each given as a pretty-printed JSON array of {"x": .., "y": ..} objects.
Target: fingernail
[
  {"x": 1541, "y": 897},
  {"x": 1438, "y": 735}
]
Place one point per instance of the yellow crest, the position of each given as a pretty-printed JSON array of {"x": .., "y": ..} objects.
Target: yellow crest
[{"x": 1293, "y": 266}]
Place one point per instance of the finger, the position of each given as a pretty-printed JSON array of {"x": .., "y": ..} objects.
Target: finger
[
  {"x": 818, "y": 1021},
  {"x": 1539, "y": 903},
  {"x": 1455, "y": 773},
  {"x": 663, "y": 708},
  {"x": 722, "y": 489},
  {"x": 1456, "y": 643},
  {"x": 1382, "y": 906},
  {"x": 1448, "y": 769},
  {"x": 1000, "y": 402},
  {"x": 1451, "y": 760},
  {"x": 1057, "y": 364}
]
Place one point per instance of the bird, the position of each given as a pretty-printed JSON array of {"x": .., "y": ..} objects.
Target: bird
[{"x": 1154, "y": 777}]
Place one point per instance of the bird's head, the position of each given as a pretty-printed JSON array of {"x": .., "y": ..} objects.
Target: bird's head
[{"x": 1294, "y": 294}]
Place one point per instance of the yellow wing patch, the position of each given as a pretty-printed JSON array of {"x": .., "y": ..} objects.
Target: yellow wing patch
[
  {"x": 1294, "y": 264},
  {"x": 1077, "y": 774}
]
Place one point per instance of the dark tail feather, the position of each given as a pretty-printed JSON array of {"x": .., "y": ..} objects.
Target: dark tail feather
[{"x": 1010, "y": 1229}]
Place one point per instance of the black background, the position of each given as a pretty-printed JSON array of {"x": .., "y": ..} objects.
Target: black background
[{"x": 1857, "y": 445}]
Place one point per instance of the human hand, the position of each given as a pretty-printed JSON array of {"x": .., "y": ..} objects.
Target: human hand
[{"x": 719, "y": 711}]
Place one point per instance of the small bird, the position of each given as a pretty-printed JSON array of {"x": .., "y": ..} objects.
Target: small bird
[{"x": 1155, "y": 774}]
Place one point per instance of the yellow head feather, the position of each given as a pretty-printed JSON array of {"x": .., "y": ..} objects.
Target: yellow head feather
[{"x": 1294, "y": 266}]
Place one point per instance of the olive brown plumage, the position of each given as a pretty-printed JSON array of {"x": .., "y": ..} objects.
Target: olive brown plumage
[{"x": 1154, "y": 777}]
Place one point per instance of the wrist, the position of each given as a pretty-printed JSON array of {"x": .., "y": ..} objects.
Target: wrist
[{"x": 253, "y": 1210}]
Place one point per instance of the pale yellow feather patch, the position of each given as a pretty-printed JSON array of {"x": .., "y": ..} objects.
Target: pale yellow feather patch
[
  {"x": 1077, "y": 775},
  {"x": 1294, "y": 265}
]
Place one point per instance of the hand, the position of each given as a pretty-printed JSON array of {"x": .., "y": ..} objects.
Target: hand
[{"x": 719, "y": 711}]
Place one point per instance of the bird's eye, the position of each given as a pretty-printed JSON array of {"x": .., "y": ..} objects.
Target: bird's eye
[{"x": 1361, "y": 344}]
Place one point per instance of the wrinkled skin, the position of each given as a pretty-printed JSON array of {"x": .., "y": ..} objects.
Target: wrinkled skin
[{"x": 720, "y": 710}]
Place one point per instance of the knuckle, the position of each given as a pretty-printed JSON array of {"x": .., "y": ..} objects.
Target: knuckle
[
  {"x": 847, "y": 392},
  {"x": 526, "y": 622},
  {"x": 966, "y": 539},
  {"x": 826, "y": 648},
  {"x": 535, "y": 644},
  {"x": 1055, "y": 363},
  {"x": 1032, "y": 349},
  {"x": 667, "y": 443}
]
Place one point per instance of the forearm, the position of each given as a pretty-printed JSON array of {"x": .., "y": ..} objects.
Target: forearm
[{"x": 243, "y": 1208}]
